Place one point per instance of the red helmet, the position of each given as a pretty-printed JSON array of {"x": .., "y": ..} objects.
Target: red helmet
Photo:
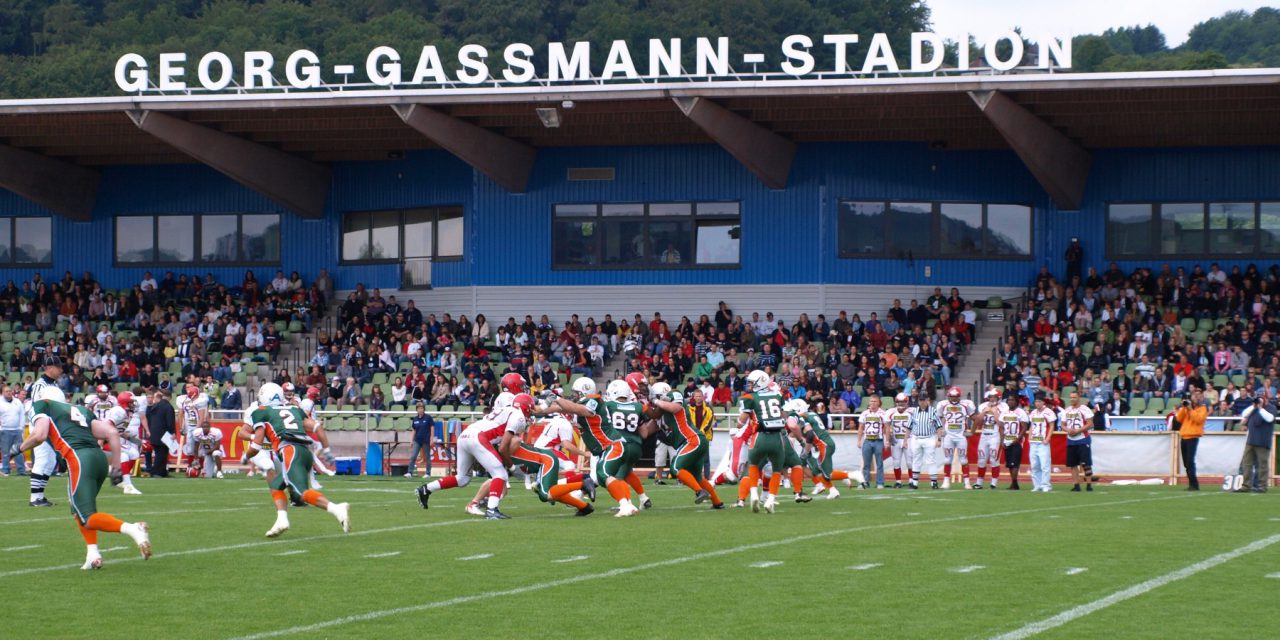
[
  {"x": 953, "y": 392},
  {"x": 126, "y": 400},
  {"x": 192, "y": 391},
  {"x": 513, "y": 382},
  {"x": 635, "y": 379},
  {"x": 313, "y": 393},
  {"x": 101, "y": 390},
  {"x": 524, "y": 403}
]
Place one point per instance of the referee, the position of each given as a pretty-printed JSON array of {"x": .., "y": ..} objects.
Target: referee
[{"x": 926, "y": 433}]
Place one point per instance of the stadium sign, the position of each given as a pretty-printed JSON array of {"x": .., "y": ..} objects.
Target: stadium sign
[{"x": 570, "y": 63}]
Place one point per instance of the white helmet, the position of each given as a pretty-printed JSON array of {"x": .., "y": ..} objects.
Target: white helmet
[
  {"x": 796, "y": 405},
  {"x": 270, "y": 395},
  {"x": 659, "y": 390},
  {"x": 584, "y": 387},
  {"x": 901, "y": 400},
  {"x": 954, "y": 394},
  {"x": 619, "y": 391},
  {"x": 50, "y": 392},
  {"x": 288, "y": 389},
  {"x": 504, "y": 400},
  {"x": 758, "y": 380}
]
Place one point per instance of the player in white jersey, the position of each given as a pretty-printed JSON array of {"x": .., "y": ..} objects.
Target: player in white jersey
[
  {"x": 955, "y": 413},
  {"x": 1012, "y": 422},
  {"x": 121, "y": 415},
  {"x": 193, "y": 410},
  {"x": 44, "y": 461},
  {"x": 319, "y": 439},
  {"x": 873, "y": 428},
  {"x": 899, "y": 417},
  {"x": 263, "y": 462},
  {"x": 204, "y": 446},
  {"x": 1040, "y": 427},
  {"x": 985, "y": 421},
  {"x": 1075, "y": 419},
  {"x": 487, "y": 442},
  {"x": 100, "y": 401}
]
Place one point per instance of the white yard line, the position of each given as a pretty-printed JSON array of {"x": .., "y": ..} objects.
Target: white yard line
[
  {"x": 291, "y": 553},
  {"x": 865, "y": 567},
  {"x": 571, "y": 559},
  {"x": 539, "y": 586},
  {"x": 478, "y": 556},
  {"x": 765, "y": 565},
  {"x": 261, "y": 506},
  {"x": 23, "y": 547},
  {"x": 387, "y": 554},
  {"x": 968, "y": 568},
  {"x": 1075, "y": 571},
  {"x": 1136, "y": 590}
]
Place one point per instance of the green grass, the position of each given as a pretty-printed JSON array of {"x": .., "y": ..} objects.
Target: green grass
[{"x": 675, "y": 571}]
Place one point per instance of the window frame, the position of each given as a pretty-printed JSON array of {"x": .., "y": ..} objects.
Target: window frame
[
  {"x": 1205, "y": 253},
  {"x": 197, "y": 240},
  {"x": 400, "y": 213},
  {"x": 935, "y": 231},
  {"x": 689, "y": 248},
  {"x": 12, "y": 262}
]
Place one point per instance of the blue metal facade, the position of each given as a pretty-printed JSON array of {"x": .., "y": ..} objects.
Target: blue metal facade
[{"x": 788, "y": 236}]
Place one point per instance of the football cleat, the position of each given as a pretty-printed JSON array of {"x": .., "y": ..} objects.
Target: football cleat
[
  {"x": 915, "y": 486},
  {"x": 770, "y": 503},
  {"x": 721, "y": 506},
  {"x": 424, "y": 495},
  {"x": 277, "y": 530},
  {"x": 647, "y": 504},
  {"x": 933, "y": 484},
  {"x": 977, "y": 485},
  {"x": 342, "y": 511},
  {"x": 585, "y": 511},
  {"x": 494, "y": 514},
  {"x": 130, "y": 490},
  {"x": 966, "y": 484},
  {"x": 701, "y": 497},
  {"x": 142, "y": 538},
  {"x": 897, "y": 485},
  {"x": 864, "y": 485},
  {"x": 994, "y": 484},
  {"x": 800, "y": 497},
  {"x": 755, "y": 500},
  {"x": 626, "y": 511},
  {"x": 946, "y": 483},
  {"x": 833, "y": 494},
  {"x": 589, "y": 487},
  {"x": 738, "y": 505},
  {"x": 219, "y": 476},
  {"x": 41, "y": 502},
  {"x": 474, "y": 509},
  {"x": 91, "y": 563},
  {"x": 1088, "y": 487},
  {"x": 820, "y": 488}
]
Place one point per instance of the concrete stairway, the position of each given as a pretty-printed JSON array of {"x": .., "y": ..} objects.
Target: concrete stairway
[{"x": 972, "y": 364}]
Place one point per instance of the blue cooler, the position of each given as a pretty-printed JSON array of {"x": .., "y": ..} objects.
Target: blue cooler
[
  {"x": 373, "y": 459},
  {"x": 348, "y": 466}
]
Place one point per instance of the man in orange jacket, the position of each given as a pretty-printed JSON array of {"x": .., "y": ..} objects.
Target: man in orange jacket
[{"x": 1191, "y": 416}]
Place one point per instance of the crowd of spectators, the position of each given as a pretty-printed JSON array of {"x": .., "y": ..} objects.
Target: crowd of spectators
[
  {"x": 156, "y": 333},
  {"x": 1140, "y": 342}
]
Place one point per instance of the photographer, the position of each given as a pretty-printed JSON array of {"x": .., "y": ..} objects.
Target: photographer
[
  {"x": 1191, "y": 416},
  {"x": 1260, "y": 420}
]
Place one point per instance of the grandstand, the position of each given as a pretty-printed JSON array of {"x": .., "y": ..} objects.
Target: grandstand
[{"x": 939, "y": 208}]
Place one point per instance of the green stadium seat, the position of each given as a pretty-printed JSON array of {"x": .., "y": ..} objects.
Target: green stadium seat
[
  {"x": 364, "y": 408},
  {"x": 366, "y": 390},
  {"x": 1155, "y": 407},
  {"x": 1219, "y": 381},
  {"x": 1238, "y": 379},
  {"x": 433, "y": 408},
  {"x": 1137, "y": 406},
  {"x": 239, "y": 378},
  {"x": 1205, "y": 325},
  {"x": 1128, "y": 369},
  {"x": 380, "y": 378},
  {"x": 1188, "y": 325},
  {"x": 295, "y": 326}
]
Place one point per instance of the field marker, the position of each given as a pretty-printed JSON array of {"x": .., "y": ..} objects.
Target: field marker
[
  {"x": 23, "y": 548},
  {"x": 1076, "y": 571},
  {"x": 110, "y": 549},
  {"x": 1274, "y": 576},
  {"x": 1199, "y": 518},
  {"x": 765, "y": 565},
  {"x": 570, "y": 559},
  {"x": 479, "y": 556},
  {"x": 1275, "y": 520},
  {"x": 913, "y": 513},
  {"x": 1126, "y": 517},
  {"x": 968, "y": 569},
  {"x": 1055, "y": 516},
  {"x": 839, "y": 513},
  {"x": 865, "y": 567},
  {"x": 291, "y": 553},
  {"x": 264, "y": 506},
  {"x": 1136, "y": 590},
  {"x": 612, "y": 573},
  {"x": 383, "y": 555}
]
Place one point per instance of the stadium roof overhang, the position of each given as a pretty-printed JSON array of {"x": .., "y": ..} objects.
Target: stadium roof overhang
[{"x": 279, "y": 143}]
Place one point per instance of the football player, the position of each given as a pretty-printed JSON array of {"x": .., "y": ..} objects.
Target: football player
[
  {"x": 284, "y": 429},
  {"x": 955, "y": 414},
  {"x": 608, "y": 456},
  {"x": 624, "y": 411},
  {"x": 1076, "y": 419},
  {"x": 546, "y": 466},
  {"x": 123, "y": 416},
  {"x": 193, "y": 410},
  {"x": 821, "y": 445},
  {"x": 204, "y": 446},
  {"x": 76, "y": 434},
  {"x": 989, "y": 442},
  {"x": 100, "y": 401},
  {"x": 43, "y": 459},
  {"x": 1012, "y": 423},
  {"x": 690, "y": 446},
  {"x": 763, "y": 404},
  {"x": 873, "y": 426},
  {"x": 899, "y": 418},
  {"x": 320, "y": 440},
  {"x": 489, "y": 442}
]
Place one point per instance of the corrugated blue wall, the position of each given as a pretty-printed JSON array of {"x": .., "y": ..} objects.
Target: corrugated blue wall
[{"x": 788, "y": 236}]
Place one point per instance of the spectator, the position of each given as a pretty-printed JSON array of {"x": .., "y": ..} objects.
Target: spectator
[
  {"x": 351, "y": 395},
  {"x": 1191, "y": 418},
  {"x": 1259, "y": 420},
  {"x": 423, "y": 431},
  {"x": 12, "y": 419},
  {"x": 231, "y": 397}
]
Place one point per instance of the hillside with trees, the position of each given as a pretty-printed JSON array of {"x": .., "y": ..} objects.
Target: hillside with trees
[{"x": 69, "y": 48}]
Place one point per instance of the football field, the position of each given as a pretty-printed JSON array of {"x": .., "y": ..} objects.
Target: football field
[{"x": 1121, "y": 562}]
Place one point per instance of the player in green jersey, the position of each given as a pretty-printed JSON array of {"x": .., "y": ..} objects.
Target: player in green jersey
[
  {"x": 75, "y": 433},
  {"x": 690, "y": 446},
  {"x": 284, "y": 428},
  {"x": 623, "y": 411},
  {"x": 764, "y": 406},
  {"x": 608, "y": 454},
  {"x": 820, "y": 445}
]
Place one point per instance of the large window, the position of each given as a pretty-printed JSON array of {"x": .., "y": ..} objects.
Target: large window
[
  {"x": 429, "y": 233},
  {"x": 211, "y": 239},
  {"x": 26, "y": 241},
  {"x": 670, "y": 235},
  {"x": 877, "y": 229},
  {"x": 1193, "y": 229}
]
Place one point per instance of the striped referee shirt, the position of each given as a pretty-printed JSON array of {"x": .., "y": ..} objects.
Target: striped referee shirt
[{"x": 924, "y": 423}]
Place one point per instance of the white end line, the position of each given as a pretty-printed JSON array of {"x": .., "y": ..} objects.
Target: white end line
[
  {"x": 1136, "y": 590},
  {"x": 538, "y": 586}
]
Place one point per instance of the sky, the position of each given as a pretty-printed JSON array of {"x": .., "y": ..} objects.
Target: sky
[{"x": 1076, "y": 17}]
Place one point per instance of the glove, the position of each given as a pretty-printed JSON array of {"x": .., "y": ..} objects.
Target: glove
[
  {"x": 327, "y": 456},
  {"x": 117, "y": 477}
]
